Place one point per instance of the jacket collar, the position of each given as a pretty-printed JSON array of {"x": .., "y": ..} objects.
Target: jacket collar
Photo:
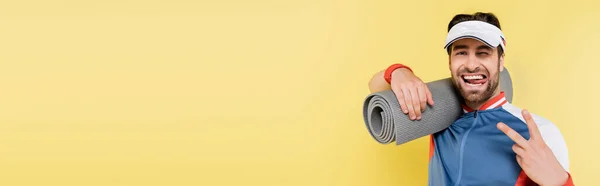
[{"x": 495, "y": 102}]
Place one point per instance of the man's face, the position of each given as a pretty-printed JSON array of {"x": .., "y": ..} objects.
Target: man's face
[{"x": 475, "y": 69}]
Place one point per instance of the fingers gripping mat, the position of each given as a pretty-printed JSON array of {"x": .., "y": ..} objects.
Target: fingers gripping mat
[{"x": 387, "y": 123}]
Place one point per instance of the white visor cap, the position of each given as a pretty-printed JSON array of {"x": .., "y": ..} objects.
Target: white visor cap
[{"x": 482, "y": 31}]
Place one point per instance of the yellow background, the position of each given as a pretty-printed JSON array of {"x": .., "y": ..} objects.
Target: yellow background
[{"x": 125, "y": 92}]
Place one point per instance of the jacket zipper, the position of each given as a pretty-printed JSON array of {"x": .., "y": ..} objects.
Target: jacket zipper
[{"x": 462, "y": 147}]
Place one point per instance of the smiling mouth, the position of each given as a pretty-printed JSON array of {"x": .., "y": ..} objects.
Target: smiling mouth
[{"x": 474, "y": 79}]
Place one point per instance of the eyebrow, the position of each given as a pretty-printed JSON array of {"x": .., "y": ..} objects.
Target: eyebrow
[
  {"x": 481, "y": 47},
  {"x": 456, "y": 47},
  {"x": 484, "y": 47}
]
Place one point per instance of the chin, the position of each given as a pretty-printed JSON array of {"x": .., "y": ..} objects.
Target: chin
[{"x": 473, "y": 97}]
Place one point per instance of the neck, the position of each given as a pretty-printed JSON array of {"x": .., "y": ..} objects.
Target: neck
[{"x": 477, "y": 105}]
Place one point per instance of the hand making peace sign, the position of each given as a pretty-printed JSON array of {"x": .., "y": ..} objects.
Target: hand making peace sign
[{"x": 535, "y": 158}]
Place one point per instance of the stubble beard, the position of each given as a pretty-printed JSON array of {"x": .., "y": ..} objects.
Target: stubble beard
[{"x": 477, "y": 97}]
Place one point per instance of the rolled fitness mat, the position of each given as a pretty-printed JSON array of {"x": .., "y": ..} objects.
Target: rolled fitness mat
[{"x": 387, "y": 123}]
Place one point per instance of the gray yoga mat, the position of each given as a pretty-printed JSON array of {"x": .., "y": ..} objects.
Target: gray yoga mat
[{"x": 387, "y": 123}]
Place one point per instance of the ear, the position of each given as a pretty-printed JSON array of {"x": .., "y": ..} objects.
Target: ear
[
  {"x": 449, "y": 63},
  {"x": 501, "y": 61},
  {"x": 449, "y": 50}
]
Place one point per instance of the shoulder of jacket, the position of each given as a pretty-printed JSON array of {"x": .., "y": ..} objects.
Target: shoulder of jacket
[{"x": 550, "y": 133}]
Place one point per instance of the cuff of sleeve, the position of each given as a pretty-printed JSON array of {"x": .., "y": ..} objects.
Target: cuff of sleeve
[{"x": 569, "y": 180}]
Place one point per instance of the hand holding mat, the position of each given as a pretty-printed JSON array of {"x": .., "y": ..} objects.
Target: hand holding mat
[{"x": 387, "y": 123}]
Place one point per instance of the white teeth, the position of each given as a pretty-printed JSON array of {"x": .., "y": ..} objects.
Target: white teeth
[{"x": 473, "y": 77}]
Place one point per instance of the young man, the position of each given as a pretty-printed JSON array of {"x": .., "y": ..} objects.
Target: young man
[{"x": 494, "y": 142}]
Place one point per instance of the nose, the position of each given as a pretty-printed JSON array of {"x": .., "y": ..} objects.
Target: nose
[{"x": 472, "y": 63}]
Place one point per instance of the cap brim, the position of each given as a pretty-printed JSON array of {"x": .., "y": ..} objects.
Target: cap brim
[
  {"x": 488, "y": 39},
  {"x": 484, "y": 32}
]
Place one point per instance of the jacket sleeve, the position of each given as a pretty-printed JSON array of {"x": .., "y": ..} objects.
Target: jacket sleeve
[{"x": 569, "y": 181}]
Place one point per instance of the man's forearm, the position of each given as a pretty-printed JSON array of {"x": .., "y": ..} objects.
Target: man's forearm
[{"x": 378, "y": 83}]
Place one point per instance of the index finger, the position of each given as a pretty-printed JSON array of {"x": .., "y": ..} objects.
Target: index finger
[
  {"x": 400, "y": 98},
  {"x": 512, "y": 134}
]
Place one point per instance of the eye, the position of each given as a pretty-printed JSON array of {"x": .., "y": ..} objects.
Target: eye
[
  {"x": 483, "y": 53},
  {"x": 461, "y": 53}
]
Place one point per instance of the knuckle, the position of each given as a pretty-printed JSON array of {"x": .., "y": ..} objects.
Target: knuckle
[
  {"x": 402, "y": 86},
  {"x": 510, "y": 133},
  {"x": 397, "y": 91},
  {"x": 400, "y": 95},
  {"x": 542, "y": 145},
  {"x": 527, "y": 160},
  {"x": 524, "y": 162}
]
